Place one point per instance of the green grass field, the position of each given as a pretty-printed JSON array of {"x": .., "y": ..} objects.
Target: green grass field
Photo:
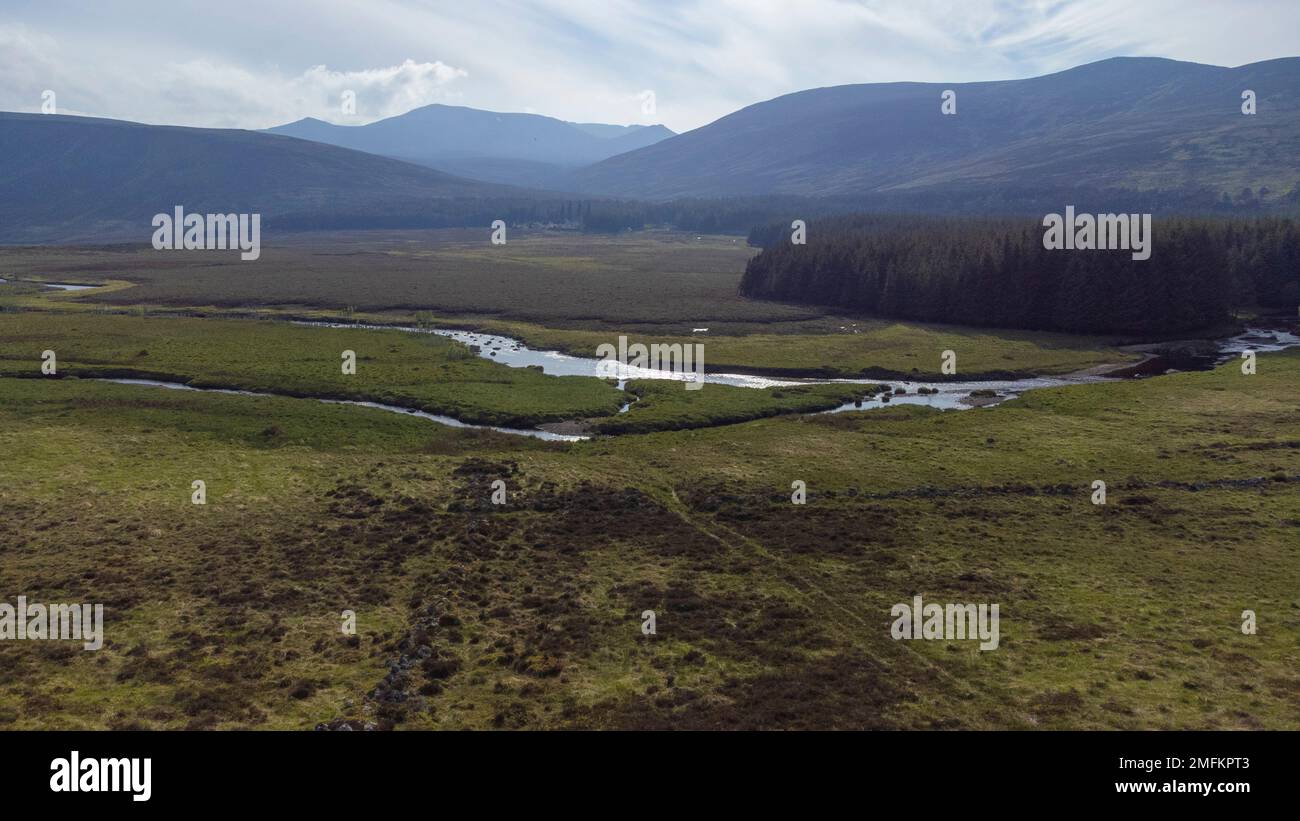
[
  {"x": 419, "y": 371},
  {"x": 528, "y": 613},
  {"x": 651, "y": 277},
  {"x": 564, "y": 292},
  {"x": 410, "y": 370},
  {"x": 769, "y": 614}
]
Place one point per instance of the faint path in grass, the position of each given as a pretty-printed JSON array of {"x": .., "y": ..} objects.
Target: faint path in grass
[{"x": 836, "y": 613}]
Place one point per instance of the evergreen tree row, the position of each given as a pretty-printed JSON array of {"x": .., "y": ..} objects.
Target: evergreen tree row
[
  {"x": 732, "y": 215},
  {"x": 996, "y": 272}
]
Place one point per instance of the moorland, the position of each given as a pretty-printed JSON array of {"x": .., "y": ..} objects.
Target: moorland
[{"x": 528, "y": 614}]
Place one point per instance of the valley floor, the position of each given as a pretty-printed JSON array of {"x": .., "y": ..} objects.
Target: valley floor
[{"x": 529, "y": 613}]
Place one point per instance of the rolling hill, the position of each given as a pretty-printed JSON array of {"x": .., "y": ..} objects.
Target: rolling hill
[
  {"x": 1123, "y": 134},
  {"x": 1140, "y": 124},
  {"x": 78, "y": 178}
]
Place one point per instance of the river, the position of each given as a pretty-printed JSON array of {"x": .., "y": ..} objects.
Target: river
[
  {"x": 942, "y": 395},
  {"x": 58, "y": 286}
]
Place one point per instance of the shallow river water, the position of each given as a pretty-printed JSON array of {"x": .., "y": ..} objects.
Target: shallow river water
[
  {"x": 949, "y": 396},
  {"x": 57, "y": 286}
]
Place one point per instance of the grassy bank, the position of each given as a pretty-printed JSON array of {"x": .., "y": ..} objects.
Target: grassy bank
[
  {"x": 855, "y": 349},
  {"x": 664, "y": 405},
  {"x": 418, "y": 371}
]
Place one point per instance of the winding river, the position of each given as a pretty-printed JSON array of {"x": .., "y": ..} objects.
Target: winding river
[{"x": 942, "y": 395}]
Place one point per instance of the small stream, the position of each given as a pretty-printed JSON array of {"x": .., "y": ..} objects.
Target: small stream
[
  {"x": 432, "y": 417},
  {"x": 57, "y": 286}
]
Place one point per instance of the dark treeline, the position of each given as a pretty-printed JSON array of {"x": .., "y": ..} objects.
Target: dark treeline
[
  {"x": 738, "y": 215},
  {"x": 731, "y": 216},
  {"x": 741, "y": 214},
  {"x": 996, "y": 272}
]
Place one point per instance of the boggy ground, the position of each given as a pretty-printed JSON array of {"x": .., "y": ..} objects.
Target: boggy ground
[
  {"x": 769, "y": 614},
  {"x": 553, "y": 291}
]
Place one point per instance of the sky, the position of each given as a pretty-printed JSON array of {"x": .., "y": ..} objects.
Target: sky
[{"x": 683, "y": 63}]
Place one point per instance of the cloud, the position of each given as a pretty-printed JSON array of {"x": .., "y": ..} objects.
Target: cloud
[
  {"x": 27, "y": 68},
  {"x": 207, "y": 91},
  {"x": 269, "y": 98},
  {"x": 379, "y": 92},
  {"x": 585, "y": 60}
]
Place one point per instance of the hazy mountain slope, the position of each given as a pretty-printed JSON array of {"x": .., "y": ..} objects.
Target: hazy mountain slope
[
  {"x": 1140, "y": 123},
  {"x": 64, "y": 178},
  {"x": 502, "y": 170},
  {"x": 606, "y": 130},
  {"x": 639, "y": 138},
  {"x": 446, "y": 137}
]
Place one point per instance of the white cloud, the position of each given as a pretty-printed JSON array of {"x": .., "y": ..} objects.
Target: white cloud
[
  {"x": 379, "y": 92},
  {"x": 270, "y": 98},
  {"x": 207, "y": 91},
  {"x": 584, "y": 60}
]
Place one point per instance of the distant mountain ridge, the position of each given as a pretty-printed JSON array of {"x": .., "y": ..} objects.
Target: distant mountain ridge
[
  {"x": 66, "y": 178},
  {"x": 1124, "y": 123},
  {"x": 516, "y": 149},
  {"x": 1131, "y": 134}
]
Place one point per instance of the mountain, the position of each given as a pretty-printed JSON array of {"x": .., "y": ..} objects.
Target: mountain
[
  {"x": 604, "y": 130},
  {"x": 1140, "y": 124},
  {"x": 67, "y": 178},
  {"x": 517, "y": 149}
]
